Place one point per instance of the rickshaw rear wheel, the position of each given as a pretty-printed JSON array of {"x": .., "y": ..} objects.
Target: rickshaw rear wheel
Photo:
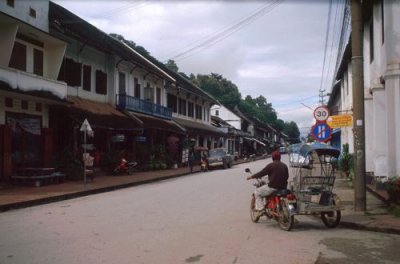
[{"x": 331, "y": 219}]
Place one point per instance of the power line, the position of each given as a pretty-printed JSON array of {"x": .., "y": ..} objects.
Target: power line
[
  {"x": 221, "y": 35},
  {"x": 336, "y": 30},
  {"x": 122, "y": 9},
  {"x": 326, "y": 44}
]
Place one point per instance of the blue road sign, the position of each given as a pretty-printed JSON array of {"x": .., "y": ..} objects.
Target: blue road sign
[{"x": 321, "y": 132}]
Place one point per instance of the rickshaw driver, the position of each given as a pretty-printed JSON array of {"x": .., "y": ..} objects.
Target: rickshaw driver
[{"x": 278, "y": 175}]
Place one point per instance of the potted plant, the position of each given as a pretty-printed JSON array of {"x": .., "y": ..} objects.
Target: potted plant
[
  {"x": 393, "y": 189},
  {"x": 346, "y": 164},
  {"x": 380, "y": 183}
]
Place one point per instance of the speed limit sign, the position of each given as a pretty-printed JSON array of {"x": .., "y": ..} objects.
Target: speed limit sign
[{"x": 321, "y": 113}]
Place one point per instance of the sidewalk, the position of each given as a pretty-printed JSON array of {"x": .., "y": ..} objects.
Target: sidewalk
[{"x": 376, "y": 218}]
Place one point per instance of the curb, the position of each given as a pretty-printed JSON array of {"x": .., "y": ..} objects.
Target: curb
[
  {"x": 355, "y": 226},
  {"x": 68, "y": 196}
]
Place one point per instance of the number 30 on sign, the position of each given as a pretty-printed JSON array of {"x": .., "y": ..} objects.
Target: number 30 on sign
[{"x": 321, "y": 113}]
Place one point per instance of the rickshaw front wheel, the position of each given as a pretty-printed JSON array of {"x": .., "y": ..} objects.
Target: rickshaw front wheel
[
  {"x": 331, "y": 219},
  {"x": 253, "y": 214}
]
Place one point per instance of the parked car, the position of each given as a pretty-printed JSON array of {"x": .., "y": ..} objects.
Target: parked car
[
  {"x": 219, "y": 158},
  {"x": 283, "y": 150}
]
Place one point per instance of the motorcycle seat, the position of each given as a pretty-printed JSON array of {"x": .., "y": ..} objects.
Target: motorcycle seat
[{"x": 281, "y": 192}]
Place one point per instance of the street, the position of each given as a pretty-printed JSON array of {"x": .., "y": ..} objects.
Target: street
[{"x": 199, "y": 218}]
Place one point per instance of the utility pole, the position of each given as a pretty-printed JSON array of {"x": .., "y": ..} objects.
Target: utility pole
[{"x": 358, "y": 105}]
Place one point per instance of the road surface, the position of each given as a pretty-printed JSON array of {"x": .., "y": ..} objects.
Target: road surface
[{"x": 200, "y": 218}]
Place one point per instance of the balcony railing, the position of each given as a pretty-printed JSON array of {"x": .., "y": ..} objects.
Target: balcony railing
[{"x": 126, "y": 102}]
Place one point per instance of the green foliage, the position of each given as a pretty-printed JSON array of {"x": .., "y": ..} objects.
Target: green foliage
[
  {"x": 157, "y": 160},
  {"x": 172, "y": 65},
  {"x": 394, "y": 210},
  {"x": 222, "y": 89},
  {"x": 260, "y": 109},
  {"x": 71, "y": 165},
  {"x": 392, "y": 187},
  {"x": 292, "y": 131},
  {"x": 346, "y": 163}
]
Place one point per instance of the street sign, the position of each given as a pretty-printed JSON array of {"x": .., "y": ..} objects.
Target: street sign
[
  {"x": 86, "y": 126},
  {"x": 321, "y": 113},
  {"x": 337, "y": 121},
  {"x": 321, "y": 132}
]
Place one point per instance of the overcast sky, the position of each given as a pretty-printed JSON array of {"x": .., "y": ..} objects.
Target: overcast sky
[{"x": 269, "y": 48}]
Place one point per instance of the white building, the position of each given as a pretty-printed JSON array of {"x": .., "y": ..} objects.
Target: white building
[{"x": 381, "y": 65}]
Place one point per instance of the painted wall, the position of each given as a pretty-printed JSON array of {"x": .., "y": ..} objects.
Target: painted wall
[
  {"x": 23, "y": 11},
  {"x": 227, "y": 115},
  {"x": 382, "y": 91}
]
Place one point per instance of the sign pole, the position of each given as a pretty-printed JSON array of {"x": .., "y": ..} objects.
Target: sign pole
[
  {"x": 84, "y": 161},
  {"x": 85, "y": 128}
]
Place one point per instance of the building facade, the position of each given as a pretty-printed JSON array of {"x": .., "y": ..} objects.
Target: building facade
[{"x": 381, "y": 71}]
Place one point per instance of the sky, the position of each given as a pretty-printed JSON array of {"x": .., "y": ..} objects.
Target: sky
[{"x": 277, "y": 49}]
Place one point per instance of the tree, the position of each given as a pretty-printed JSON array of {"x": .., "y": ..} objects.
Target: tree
[
  {"x": 222, "y": 89},
  {"x": 292, "y": 131},
  {"x": 172, "y": 65}
]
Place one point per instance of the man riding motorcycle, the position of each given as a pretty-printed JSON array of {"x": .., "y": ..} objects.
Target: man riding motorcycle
[{"x": 278, "y": 175}]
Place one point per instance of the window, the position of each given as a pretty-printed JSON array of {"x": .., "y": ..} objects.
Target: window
[
  {"x": 38, "y": 107},
  {"x": 371, "y": 40},
  {"x": 217, "y": 112},
  {"x": 87, "y": 77},
  {"x": 24, "y": 104},
  {"x": 32, "y": 12},
  {"x": 38, "y": 62},
  {"x": 158, "y": 96},
  {"x": 9, "y": 102},
  {"x": 101, "y": 82},
  {"x": 71, "y": 72},
  {"x": 18, "y": 57},
  {"x": 148, "y": 93},
  {"x": 121, "y": 83},
  {"x": 137, "y": 88},
  {"x": 190, "y": 109},
  {"x": 182, "y": 106},
  {"x": 171, "y": 102},
  {"x": 198, "y": 112},
  {"x": 11, "y": 3}
]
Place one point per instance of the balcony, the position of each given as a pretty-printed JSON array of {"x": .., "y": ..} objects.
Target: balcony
[
  {"x": 30, "y": 82},
  {"x": 126, "y": 102}
]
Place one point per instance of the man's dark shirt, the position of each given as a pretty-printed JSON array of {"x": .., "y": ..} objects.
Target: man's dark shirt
[{"x": 278, "y": 174}]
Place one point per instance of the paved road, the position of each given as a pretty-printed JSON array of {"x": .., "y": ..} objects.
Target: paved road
[{"x": 202, "y": 218}]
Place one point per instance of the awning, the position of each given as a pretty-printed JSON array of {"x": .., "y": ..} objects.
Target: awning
[
  {"x": 257, "y": 141},
  {"x": 157, "y": 123},
  {"x": 193, "y": 127},
  {"x": 100, "y": 115}
]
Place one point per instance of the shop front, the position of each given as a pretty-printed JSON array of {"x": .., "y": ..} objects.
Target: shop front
[{"x": 113, "y": 134}]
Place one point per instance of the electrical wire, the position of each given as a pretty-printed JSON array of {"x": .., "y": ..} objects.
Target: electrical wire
[
  {"x": 326, "y": 44},
  {"x": 336, "y": 35},
  {"x": 122, "y": 9},
  {"x": 333, "y": 38},
  {"x": 221, "y": 35}
]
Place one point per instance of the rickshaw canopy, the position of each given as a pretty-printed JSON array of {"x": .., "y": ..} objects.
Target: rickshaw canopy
[{"x": 304, "y": 149}]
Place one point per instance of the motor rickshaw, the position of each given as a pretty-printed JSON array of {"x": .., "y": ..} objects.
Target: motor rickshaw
[{"x": 313, "y": 166}]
